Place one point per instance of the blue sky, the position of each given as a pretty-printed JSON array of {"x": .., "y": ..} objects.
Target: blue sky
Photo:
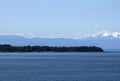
[{"x": 54, "y": 17}]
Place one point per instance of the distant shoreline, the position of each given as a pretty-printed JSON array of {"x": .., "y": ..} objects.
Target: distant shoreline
[{"x": 22, "y": 49}]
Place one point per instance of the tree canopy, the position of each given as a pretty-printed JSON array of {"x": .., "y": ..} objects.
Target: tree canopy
[{"x": 10, "y": 48}]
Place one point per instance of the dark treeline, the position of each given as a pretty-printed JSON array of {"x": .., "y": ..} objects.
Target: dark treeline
[{"x": 9, "y": 48}]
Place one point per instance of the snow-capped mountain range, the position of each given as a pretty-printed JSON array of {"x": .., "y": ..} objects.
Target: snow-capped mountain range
[{"x": 105, "y": 40}]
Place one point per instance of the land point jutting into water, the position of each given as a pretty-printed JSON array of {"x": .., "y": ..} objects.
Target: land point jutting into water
[{"x": 10, "y": 48}]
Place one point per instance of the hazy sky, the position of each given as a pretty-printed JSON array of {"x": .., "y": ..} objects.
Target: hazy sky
[{"x": 53, "y": 17}]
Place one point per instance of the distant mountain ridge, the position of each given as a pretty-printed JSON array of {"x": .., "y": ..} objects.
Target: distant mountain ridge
[{"x": 105, "y": 42}]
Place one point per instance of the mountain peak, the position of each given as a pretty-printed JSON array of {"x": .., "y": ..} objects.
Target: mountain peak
[
  {"x": 105, "y": 34},
  {"x": 111, "y": 34}
]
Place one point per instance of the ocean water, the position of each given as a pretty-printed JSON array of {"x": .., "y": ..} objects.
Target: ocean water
[{"x": 59, "y": 66}]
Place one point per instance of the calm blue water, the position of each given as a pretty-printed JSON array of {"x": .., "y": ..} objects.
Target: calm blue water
[{"x": 59, "y": 66}]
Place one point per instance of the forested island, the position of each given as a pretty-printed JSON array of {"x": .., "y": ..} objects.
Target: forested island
[{"x": 10, "y": 48}]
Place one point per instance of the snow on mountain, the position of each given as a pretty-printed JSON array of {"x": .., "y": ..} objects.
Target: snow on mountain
[
  {"x": 113, "y": 34},
  {"x": 103, "y": 35}
]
